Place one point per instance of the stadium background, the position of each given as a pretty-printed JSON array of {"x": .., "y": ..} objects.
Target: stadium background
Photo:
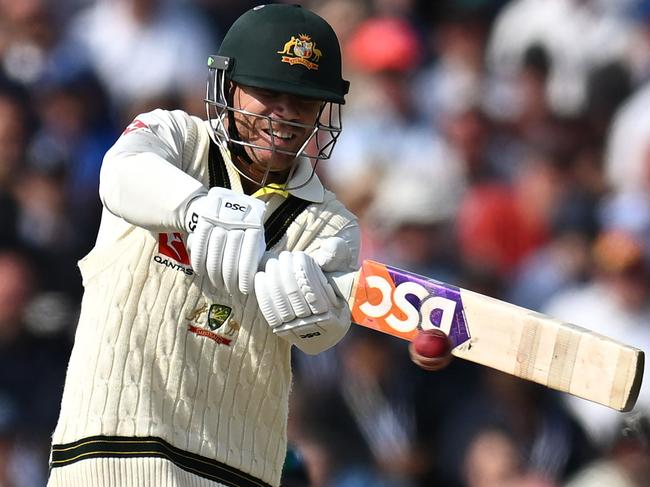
[{"x": 503, "y": 146}]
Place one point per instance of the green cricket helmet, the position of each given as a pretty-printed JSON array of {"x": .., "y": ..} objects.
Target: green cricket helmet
[{"x": 287, "y": 49}]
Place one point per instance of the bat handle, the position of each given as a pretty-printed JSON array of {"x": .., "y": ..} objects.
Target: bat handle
[{"x": 342, "y": 282}]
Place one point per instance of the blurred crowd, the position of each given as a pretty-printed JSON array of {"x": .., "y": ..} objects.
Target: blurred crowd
[{"x": 499, "y": 145}]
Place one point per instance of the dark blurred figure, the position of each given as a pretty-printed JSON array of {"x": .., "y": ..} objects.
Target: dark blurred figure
[
  {"x": 493, "y": 460},
  {"x": 46, "y": 227},
  {"x": 13, "y": 137},
  {"x": 28, "y": 40},
  {"x": 608, "y": 85},
  {"x": 500, "y": 223},
  {"x": 372, "y": 417},
  {"x": 626, "y": 462},
  {"x": 294, "y": 471},
  {"x": 563, "y": 260},
  {"x": 32, "y": 370},
  {"x": 76, "y": 128},
  {"x": 147, "y": 53},
  {"x": 547, "y": 443}
]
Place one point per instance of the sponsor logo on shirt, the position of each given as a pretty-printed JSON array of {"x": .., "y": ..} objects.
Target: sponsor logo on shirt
[
  {"x": 135, "y": 125},
  {"x": 173, "y": 253}
]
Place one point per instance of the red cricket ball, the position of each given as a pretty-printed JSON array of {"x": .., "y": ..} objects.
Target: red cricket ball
[{"x": 432, "y": 343}]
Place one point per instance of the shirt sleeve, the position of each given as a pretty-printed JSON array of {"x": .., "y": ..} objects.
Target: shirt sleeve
[{"x": 143, "y": 180}]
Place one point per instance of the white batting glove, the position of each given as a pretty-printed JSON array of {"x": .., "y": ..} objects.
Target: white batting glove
[
  {"x": 299, "y": 304},
  {"x": 226, "y": 238}
]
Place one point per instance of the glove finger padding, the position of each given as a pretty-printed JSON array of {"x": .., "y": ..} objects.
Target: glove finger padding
[
  {"x": 214, "y": 258},
  {"x": 197, "y": 243},
  {"x": 252, "y": 250},
  {"x": 313, "y": 284},
  {"x": 277, "y": 292},
  {"x": 299, "y": 304},
  {"x": 290, "y": 285},
  {"x": 267, "y": 307},
  {"x": 231, "y": 259}
]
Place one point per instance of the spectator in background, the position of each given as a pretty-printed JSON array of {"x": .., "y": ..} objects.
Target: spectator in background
[
  {"x": 13, "y": 135},
  {"x": 493, "y": 460},
  {"x": 500, "y": 224},
  {"x": 451, "y": 82},
  {"x": 627, "y": 154},
  {"x": 578, "y": 35},
  {"x": 563, "y": 260},
  {"x": 28, "y": 40},
  {"x": 534, "y": 428},
  {"x": 77, "y": 126},
  {"x": 469, "y": 136},
  {"x": 32, "y": 369},
  {"x": 382, "y": 128},
  {"x": 148, "y": 53},
  {"x": 626, "y": 462},
  {"x": 410, "y": 220},
  {"x": 46, "y": 227}
]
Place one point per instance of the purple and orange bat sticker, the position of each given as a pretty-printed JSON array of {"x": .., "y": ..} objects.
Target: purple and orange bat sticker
[{"x": 400, "y": 303}]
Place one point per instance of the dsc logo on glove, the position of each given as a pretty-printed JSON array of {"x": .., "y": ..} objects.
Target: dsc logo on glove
[{"x": 236, "y": 206}]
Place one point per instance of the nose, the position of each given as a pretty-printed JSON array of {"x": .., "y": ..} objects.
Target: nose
[{"x": 287, "y": 107}]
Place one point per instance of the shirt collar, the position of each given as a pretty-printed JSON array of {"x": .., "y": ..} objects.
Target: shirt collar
[{"x": 313, "y": 188}]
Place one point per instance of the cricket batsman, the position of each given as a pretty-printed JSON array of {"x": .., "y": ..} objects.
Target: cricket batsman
[{"x": 210, "y": 264}]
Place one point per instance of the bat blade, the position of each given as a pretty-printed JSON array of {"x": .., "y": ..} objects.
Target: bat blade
[{"x": 496, "y": 334}]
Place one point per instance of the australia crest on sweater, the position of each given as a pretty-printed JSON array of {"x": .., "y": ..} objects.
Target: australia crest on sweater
[{"x": 213, "y": 321}]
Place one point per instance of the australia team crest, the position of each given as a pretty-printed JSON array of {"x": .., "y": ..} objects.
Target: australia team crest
[
  {"x": 301, "y": 49},
  {"x": 213, "y": 321}
]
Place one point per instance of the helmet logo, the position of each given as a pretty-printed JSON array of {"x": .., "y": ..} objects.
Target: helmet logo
[{"x": 301, "y": 50}]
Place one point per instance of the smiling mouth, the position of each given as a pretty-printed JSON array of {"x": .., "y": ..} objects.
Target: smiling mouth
[{"x": 280, "y": 134}]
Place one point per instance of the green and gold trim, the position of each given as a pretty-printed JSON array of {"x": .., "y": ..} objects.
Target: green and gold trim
[
  {"x": 151, "y": 447},
  {"x": 217, "y": 167},
  {"x": 278, "y": 223}
]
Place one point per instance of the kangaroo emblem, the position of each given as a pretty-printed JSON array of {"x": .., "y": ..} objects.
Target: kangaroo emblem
[
  {"x": 301, "y": 50},
  {"x": 288, "y": 45}
]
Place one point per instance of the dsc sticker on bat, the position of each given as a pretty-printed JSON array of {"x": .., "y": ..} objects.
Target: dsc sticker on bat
[{"x": 399, "y": 303}]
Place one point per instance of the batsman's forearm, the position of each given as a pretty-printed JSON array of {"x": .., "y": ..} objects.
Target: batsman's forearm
[{"x": 145, "y": 190}]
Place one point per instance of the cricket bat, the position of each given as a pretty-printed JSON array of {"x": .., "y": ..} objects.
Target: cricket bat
[{"x": 490, "y": 332}]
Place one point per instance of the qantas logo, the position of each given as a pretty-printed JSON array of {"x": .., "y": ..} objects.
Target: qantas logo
[
  {"x": 135, "y": 125},
  {"x": 173, "y": 253},
  {"x": 171, "y": 245}
]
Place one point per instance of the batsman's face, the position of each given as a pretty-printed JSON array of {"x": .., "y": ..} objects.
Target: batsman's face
[{"x": 281, "y": 107}]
